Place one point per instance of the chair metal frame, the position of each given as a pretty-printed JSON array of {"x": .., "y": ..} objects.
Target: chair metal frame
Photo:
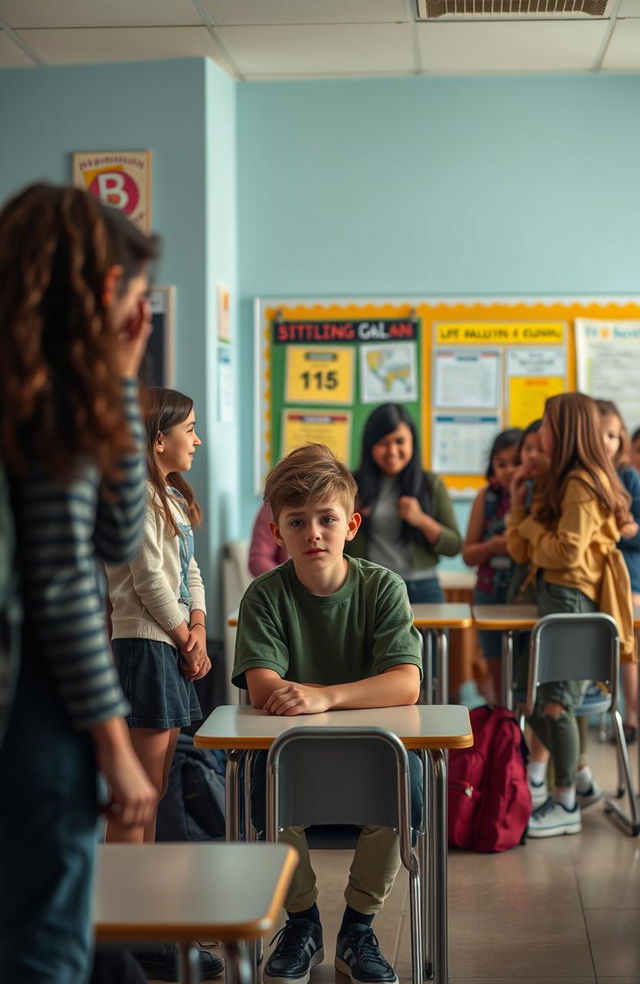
[
  {"x": 351, "y": 802},
  {"x": 585, "y": 661}
]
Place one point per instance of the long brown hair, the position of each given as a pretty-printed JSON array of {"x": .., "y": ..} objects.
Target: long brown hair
[
  {"x": 164, "y": 409},
  {"x": 61, "y": 398},
  {"x": 622, "y": 457},
  {"x": 577, "y": 445}
]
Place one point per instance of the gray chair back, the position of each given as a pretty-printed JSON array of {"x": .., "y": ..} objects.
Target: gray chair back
[
  {"x": 340, "y": 776},
  {"x": 574, "y": 646}
]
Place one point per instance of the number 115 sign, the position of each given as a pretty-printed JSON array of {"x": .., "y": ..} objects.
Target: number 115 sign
[{"x": 319, "y": 374}]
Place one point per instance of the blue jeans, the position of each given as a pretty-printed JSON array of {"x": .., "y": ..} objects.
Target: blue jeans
[
  {"x": 48, "y": 814},
  {"x": 424, "y": 591},
  {"x": 491, "y": 642}
]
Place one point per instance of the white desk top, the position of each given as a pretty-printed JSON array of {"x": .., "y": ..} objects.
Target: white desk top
[
  {"x": 184, "y": 892},
  {"x": 505, "y": 617},
  {"x": 417, "y": 725},
  {"x": 443, "y": 615}
]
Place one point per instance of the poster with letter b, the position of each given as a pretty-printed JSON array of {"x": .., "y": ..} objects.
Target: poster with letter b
[{"x": 120, "y": 178}]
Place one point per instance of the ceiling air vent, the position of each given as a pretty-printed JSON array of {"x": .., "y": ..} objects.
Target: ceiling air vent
[{"x": 453, "y": 9}]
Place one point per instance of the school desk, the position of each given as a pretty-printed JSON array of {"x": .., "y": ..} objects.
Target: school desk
[
  {"x": 437, "y": 618},
  {"x": 507, "y": 619},
  {"x": 430, "y": 728},
  {"x": 179, "y": 893}
]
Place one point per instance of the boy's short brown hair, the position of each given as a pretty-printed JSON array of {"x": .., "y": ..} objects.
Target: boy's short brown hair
[{"x": 309, "y": 474}]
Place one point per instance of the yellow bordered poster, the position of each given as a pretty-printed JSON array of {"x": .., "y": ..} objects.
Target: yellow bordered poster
[
  {"x": 309, "y": 426},
  {"x": 319, "y": 374}
]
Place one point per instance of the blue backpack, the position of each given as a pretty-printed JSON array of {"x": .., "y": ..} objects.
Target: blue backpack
[
  {"x": 192, "y": 809},
  {"x": 10, "y": 609}
]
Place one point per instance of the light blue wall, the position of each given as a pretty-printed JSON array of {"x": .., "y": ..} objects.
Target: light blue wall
[
  {"x": 184, "y": 112},
  {"x": 435, "y": 186}
]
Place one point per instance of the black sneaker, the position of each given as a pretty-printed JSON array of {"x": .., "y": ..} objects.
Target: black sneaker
[
  {"x": 358, "y": 956},
  {"x": 160, "y": 963},
  {"x": 299, "y": 949}
]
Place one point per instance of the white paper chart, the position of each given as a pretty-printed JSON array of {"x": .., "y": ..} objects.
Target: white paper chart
[
  {"x": 608, "y": 364},
  {"x": 461, "y": 442},
  {"x": 466, "y": 378}
]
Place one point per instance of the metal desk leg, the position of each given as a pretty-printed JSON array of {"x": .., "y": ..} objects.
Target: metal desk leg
[
  {"x": 427, "y": 666},
  {"x": 443, "y": 666},
  {"x": 630, "y": 821},
  {"x": 232, "y": 796},
  {"x": 254, "y": 947},
  {"x": 438, "y": 849},
  {"x": 506, "y": 671},
  {"x": 188, "y": 963},
  {"x": 239, "y": 969},
  {"x": 424, "y": 853}
]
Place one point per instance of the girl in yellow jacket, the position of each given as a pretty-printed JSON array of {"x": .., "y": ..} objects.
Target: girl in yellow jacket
[{"x": 570, "y": 536}]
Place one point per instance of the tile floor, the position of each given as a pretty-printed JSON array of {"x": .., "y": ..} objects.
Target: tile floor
[{"x": 561, "y": 909}]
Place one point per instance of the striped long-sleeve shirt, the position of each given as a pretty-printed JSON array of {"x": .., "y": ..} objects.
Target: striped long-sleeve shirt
[{"x": 63, "y": 531}]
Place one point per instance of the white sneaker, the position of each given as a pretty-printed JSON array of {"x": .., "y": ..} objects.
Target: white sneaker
[
  {"x": 553, "y": 818},
  {"x": 588, "y": 794},
  {"x": 539, "y": 793}
]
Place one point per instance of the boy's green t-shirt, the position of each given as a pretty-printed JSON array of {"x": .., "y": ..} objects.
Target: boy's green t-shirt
[{"x": 360, "y": 631}]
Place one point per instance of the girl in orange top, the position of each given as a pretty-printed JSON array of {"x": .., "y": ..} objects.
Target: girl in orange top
[{"x": 571, "y": 536}]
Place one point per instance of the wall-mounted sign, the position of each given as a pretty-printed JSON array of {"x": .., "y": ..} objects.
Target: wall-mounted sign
[{"x": 121, "y": 178}]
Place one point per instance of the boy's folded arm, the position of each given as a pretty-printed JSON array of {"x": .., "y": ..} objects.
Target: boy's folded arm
[
  {"x": 261, "y": 683},
  {"x": 397, "y": 685}
]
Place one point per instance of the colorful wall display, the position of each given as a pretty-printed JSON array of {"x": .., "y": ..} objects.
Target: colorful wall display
[{"x": 464, "y": 369}]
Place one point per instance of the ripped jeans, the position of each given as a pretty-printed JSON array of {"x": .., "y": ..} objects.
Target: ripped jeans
[{"x": 561, "y": 735}]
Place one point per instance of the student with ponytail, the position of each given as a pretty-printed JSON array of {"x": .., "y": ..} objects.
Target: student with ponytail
[{"x": 570, "y": 535}]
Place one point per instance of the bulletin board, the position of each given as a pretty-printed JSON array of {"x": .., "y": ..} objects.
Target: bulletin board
[{"x": 464, "y": 369}]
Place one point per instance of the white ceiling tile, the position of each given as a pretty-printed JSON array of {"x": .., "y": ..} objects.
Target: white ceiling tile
[
  {"x": 348, "y": 49},
  {"x": 10, "y": 54},
  {"x": 506, "y": 46},
  {"x": 623, "y": 53},
  {"x": 97, "y": 13},
  {"x": 252, "y": 12},
  {"x": 86, "y": 45},
  {"x": 629, "y": 8}
]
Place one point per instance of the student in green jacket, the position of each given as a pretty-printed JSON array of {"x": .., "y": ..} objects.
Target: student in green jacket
[{"x": 407, "y": 516}]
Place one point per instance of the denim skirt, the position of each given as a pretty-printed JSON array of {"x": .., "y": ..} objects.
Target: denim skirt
[{"x": 159, "y": 695}]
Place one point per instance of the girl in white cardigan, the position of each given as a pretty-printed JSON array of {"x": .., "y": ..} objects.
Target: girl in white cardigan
[{"x": 158, "y": 619}]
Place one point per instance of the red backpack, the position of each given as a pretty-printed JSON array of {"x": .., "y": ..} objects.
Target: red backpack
[{"x": 489, "y": 796}]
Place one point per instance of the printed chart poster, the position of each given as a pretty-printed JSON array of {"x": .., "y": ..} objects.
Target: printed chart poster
[
  {"x": 120, "y": 178},
  {"x": 308, "y": 426},
  {"x": 608, "y": 361},
  {"x": 466, "y": 378},
  {"x": 533, "y": 375},
  {"x": 460, "y": 442},
  {"x": 388, "y": 373},
  {"x": 319, "y": 374}
]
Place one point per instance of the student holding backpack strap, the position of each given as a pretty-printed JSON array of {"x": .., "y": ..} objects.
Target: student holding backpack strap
[
  {"x": 75, "y": 321},
  {"x": 571, "y": 536}
]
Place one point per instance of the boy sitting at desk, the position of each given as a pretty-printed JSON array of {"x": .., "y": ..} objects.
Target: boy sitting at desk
[{"x": 326, "y": 632}]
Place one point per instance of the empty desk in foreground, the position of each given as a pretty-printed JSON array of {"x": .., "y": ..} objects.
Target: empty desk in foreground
[
  {"x": 430, "y": 728},
  {"x": 179, "y": 893},
  {"x": 507, "y": 619}
]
